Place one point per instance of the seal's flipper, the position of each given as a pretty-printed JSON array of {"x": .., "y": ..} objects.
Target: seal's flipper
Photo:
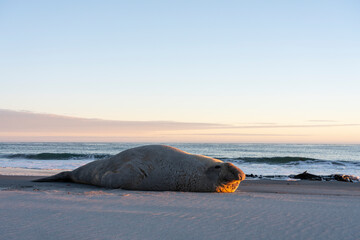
[{"x": 60, "y": 177}]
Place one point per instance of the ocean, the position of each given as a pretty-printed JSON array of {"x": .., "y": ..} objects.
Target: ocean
[{"x": 279, "y": 160}]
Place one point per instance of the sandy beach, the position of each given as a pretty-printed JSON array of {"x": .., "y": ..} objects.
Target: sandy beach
[
  {"x": 190, "y": 98},
  {"x": 261, "y": 209}
]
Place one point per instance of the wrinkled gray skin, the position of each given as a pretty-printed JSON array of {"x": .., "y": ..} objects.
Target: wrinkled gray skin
[{"x": 157, "y": 168}]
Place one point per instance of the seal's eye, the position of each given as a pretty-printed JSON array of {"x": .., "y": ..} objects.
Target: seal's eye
[{"x": 217, "y": 166}]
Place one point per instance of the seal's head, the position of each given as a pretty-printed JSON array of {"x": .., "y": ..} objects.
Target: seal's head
[{"x": 226, "y": 176}]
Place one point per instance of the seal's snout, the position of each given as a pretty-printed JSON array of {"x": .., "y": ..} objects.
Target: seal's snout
[
  {"x": 230, "y": 178},
  {"x": 238, "y": 175},
  {"x": 241, "y": 175}
]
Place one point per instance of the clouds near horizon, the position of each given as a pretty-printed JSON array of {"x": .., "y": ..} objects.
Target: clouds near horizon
[{"x": 29, "y": 126}]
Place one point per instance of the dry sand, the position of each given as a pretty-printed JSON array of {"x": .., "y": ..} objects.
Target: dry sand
[{"x": 258, "y": 210}]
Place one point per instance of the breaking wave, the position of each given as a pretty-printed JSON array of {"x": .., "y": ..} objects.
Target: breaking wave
[{"x": 288, "y": 161}]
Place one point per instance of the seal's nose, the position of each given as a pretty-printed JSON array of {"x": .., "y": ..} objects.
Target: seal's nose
[
  {"x": 237, "y": 172},
  {"x": 237, "y": 177},
  {"x": 241, "y": 175}
]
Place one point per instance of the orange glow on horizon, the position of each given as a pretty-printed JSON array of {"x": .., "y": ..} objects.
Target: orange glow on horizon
[{"x": 41, "y": 127}]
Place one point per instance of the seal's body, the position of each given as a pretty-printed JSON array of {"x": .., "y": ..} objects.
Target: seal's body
[{"x": 156, "y": 168}]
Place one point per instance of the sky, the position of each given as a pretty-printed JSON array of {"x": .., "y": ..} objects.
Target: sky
[{"x": 187, "y": 71}]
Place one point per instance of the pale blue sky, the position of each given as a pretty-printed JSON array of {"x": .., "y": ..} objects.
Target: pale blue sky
[{"x": 227, "y": 62}]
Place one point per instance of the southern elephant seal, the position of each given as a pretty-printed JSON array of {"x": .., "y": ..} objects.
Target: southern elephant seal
[{"x": 156, "y": 168}]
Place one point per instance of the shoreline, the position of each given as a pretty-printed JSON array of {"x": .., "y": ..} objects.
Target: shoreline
[
  {"x": 247, "y": 186},
  {"x": 16, "y": 171},
  {"x": 261, "y": 209}
]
